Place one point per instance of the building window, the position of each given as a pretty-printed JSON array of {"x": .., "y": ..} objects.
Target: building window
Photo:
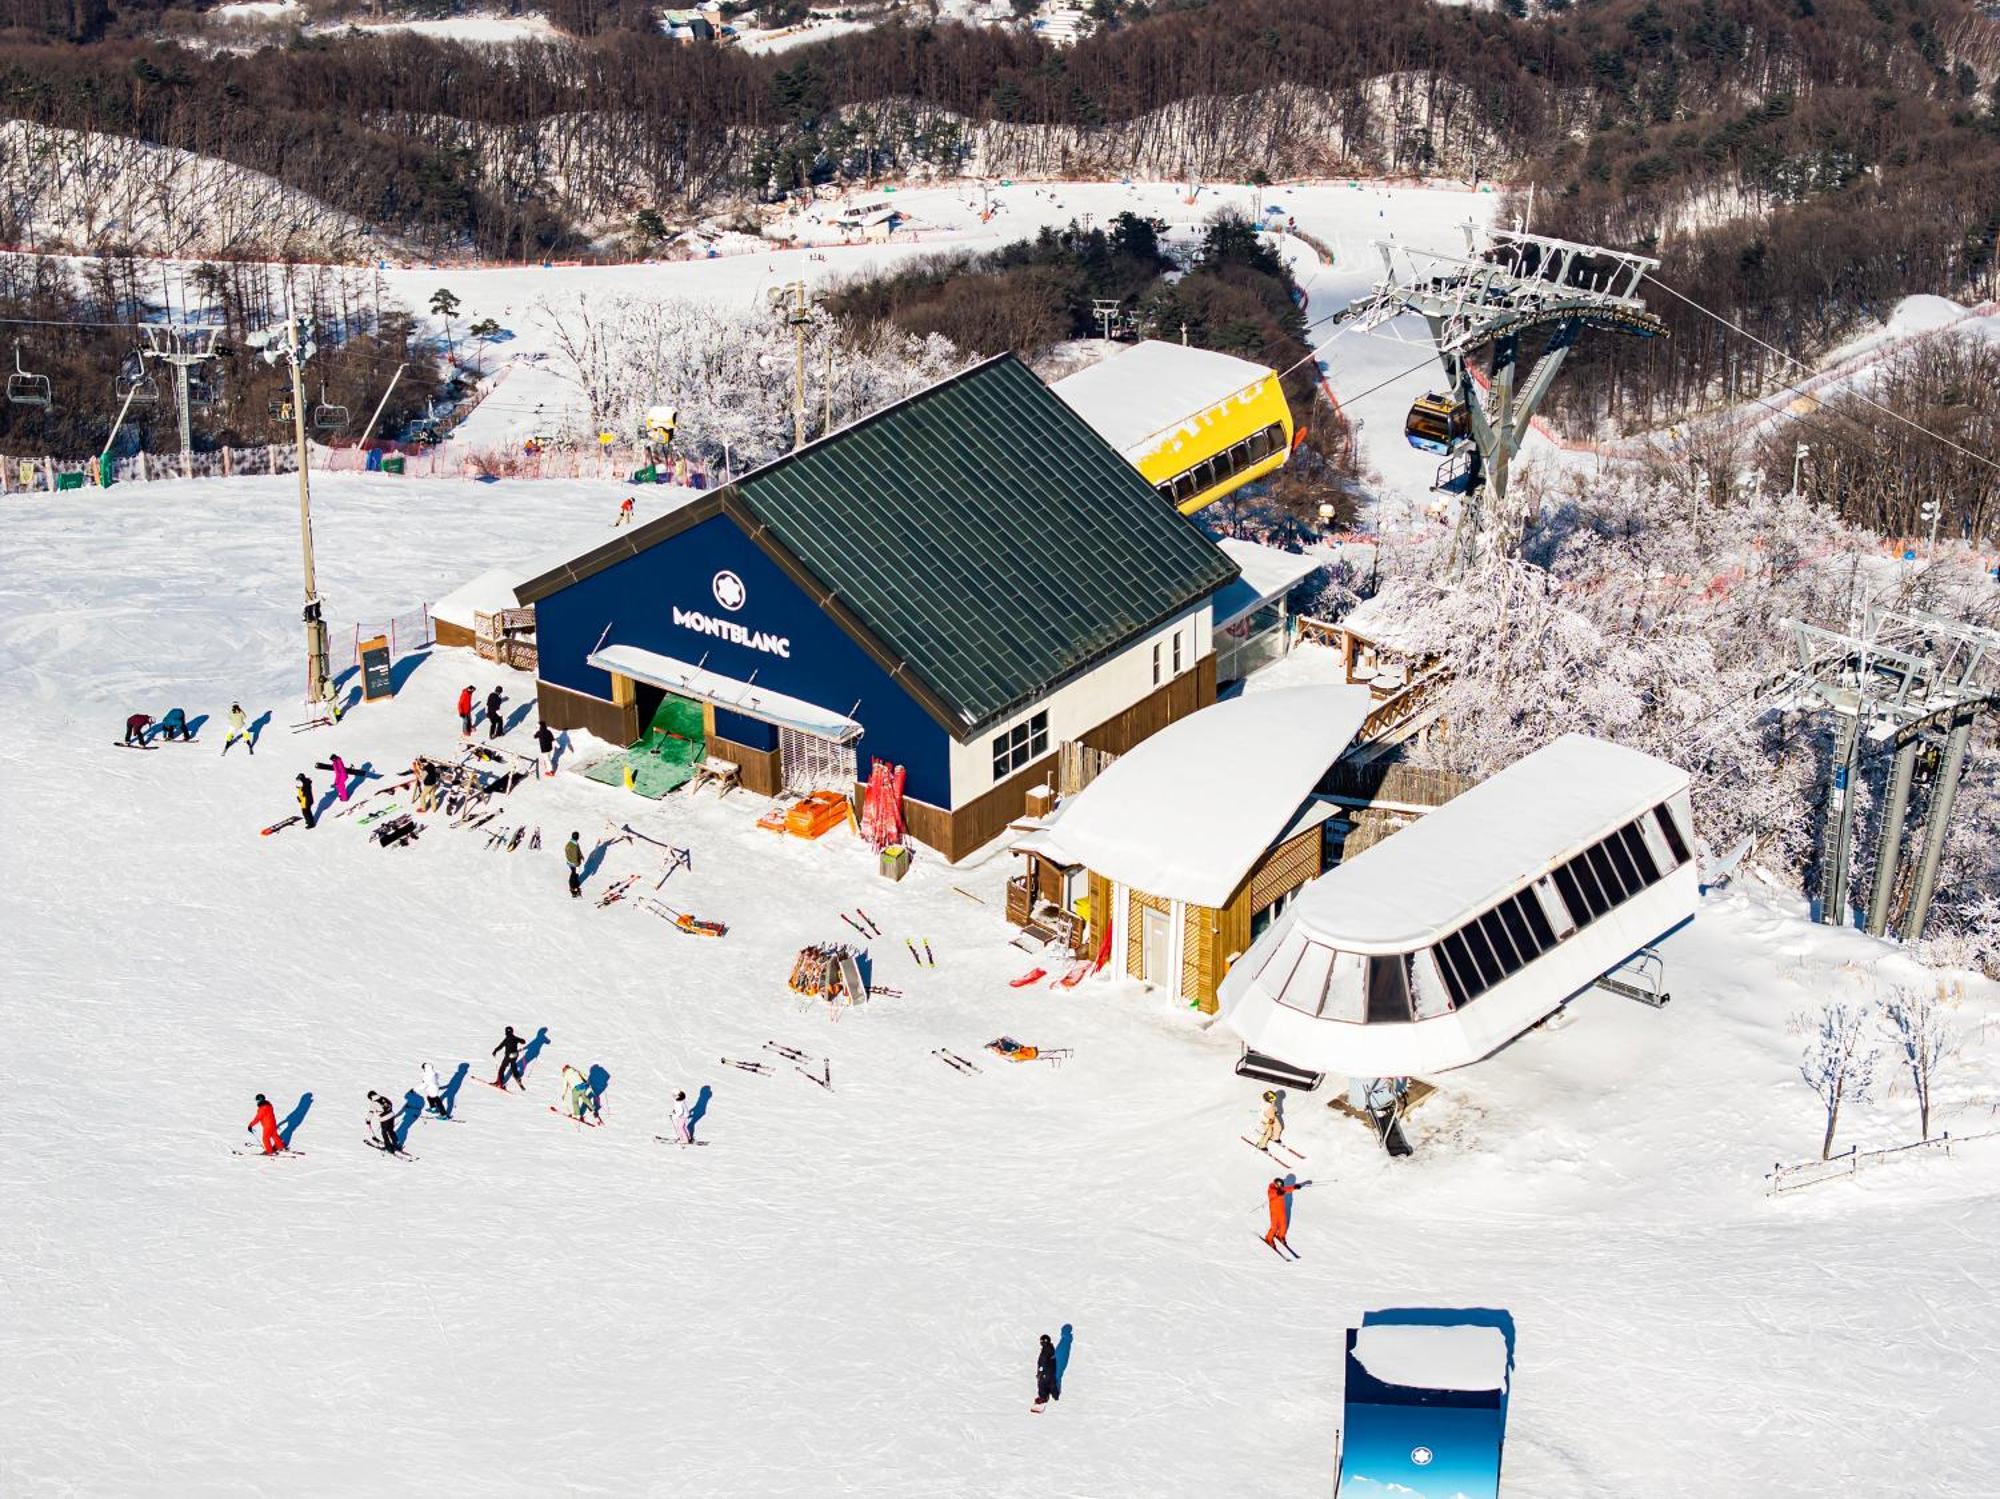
[
  {"x": 1177, "y": 653},
  {"x": 1021, "y": 746},
  {"x": 1223, "y": 466},
  {"x": 1156, "y": 663}
]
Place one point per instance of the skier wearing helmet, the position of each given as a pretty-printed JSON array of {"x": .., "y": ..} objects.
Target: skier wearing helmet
[
  {"x": 266, "y": 1119},
  {"x": 1271, "y": 1126}
]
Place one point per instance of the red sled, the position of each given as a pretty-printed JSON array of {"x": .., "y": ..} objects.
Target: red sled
[
  {"x": 1033, "y": 975},
  {"x": 1075, "y": 976}
]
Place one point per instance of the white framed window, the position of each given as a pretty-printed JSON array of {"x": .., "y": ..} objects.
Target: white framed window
[
  {"x": 1021, "y": 746},
  {"x": 1156, "y": 663},
  {"x": 1177, "y": 653}
]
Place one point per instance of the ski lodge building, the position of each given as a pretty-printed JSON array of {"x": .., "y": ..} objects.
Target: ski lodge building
[
  {"x": 958, "y": 584},
  {"x": 1185, "y": 861}
]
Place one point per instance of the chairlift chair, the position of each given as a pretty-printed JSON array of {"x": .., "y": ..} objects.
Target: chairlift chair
[
  {"x": 327, "y": 417},
  {"x": 25, "y": 388},
  {"x": 1438, "y": 423},
  {"x": 134, "y": 384},
  {"x": 204, "y": 391}
]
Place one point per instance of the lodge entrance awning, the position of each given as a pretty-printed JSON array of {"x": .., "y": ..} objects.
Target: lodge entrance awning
[{"x": 732, "y": 694}]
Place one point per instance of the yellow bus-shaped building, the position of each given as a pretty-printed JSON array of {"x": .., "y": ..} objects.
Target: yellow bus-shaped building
[{"x": 1199, "y": 425}]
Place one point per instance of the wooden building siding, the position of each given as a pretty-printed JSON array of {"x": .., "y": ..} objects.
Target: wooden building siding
[
  {"x": 1100, "y": 910},
  {"x": 1185, "y": 694},
  {"x": 1197, "y": 952},
  {"x": 562, "y": 708},
  {"x": 444, "y": 632},
  {"x": 1135, "y": 929},
  {"x": 758, "y": 768},
  {"x": 1285, "y": 868}
]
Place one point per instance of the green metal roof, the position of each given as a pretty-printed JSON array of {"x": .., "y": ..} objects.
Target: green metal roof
[{"x": 987, "y": 538}]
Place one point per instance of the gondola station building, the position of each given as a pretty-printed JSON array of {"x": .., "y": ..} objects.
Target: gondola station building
[{"x": 956, "y": 584}]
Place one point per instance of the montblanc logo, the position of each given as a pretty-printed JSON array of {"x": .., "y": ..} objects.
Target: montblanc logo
[
  {"x": 729, "y": 630},
  {"x": 729, "y": 590}
]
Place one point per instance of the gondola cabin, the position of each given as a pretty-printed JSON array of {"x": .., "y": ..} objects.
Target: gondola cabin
[
  {"x": 1438, "y": 423},
  {"x": 1441, "y": 944}
]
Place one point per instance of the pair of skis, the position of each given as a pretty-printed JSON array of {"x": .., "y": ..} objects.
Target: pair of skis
[
  {"x": 762, "y": 1069},
  {"x": 865, "y": 925},
  {"x": 924, "y": 959},
  {"x": 1280, "y": 1248},
  {"x": 799, "y": 1061},
  {"x": 1291, "y": 1156},
  {"x": 954, "y": 1061},
  {"x": 617, "y": 892}
]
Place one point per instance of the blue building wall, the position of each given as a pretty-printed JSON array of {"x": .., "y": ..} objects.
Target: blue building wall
[{"x": 636, "y": 598}]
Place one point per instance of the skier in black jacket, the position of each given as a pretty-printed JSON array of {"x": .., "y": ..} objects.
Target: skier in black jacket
[
  {"x": 509, "y": 1053},
  {"x": 493, "y": 700},
  {"x": 1048, "y": 1383},
  {"x": 384, "y": 1119}
]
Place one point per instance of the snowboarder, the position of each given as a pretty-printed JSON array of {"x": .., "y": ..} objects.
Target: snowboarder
[
  {"x": 1048, "y": 1382},
  {"x": 573, "y": 856},
  {"x": 493, "y": 701},
  {"x": 136, "y": 727},
  {"x": 1271, "y": 1127},
  {"x": 577, "y": 1097},
  {"x": 624, "y": 513},
  {"x": 304, "y": 792},
  {"x": 239, "y": 728},
  {"x": 433, "y": 1090},
  {"x": 175, "y": 725},
  {"x": 339, "y": 768},
  {"x": 266, "y": 1119},
  {"x": 1278, "y": 1196},
  {"x": 545, "y": 750},
  {"x": 465, "y": 711},
  {"x": 509, "y": 1053},
  {"x": 683, "y": 1120},
  {"x": 382, "y": 1117}
]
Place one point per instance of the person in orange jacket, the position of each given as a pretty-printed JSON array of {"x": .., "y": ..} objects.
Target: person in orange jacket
[
  {"x": 1278, "y": 1195},
  {"x": 266, "y": 1119}
]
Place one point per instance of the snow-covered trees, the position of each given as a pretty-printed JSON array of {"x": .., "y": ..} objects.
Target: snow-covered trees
[
  {"x": 731, "y": 371},
  {"x": 1839, "y": 1060},
  {"x": 1924, "y": 1038}
]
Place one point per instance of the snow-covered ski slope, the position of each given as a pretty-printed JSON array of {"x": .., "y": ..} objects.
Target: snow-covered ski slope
[
  {"x": 1345, "y": 216},
  {"x": 840, "y": 1292}
]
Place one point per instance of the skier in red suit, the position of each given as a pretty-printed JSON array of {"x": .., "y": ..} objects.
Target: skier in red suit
[{"x": 266, "y": 1119}]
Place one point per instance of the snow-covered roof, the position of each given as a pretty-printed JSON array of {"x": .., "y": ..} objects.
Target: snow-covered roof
[
  {"x": 1187, "y": 814},
  {"x": 1423, "y": 1357},
  {"x": 1407, "y": 891},
  {"x": 1137, "y": 397},
  {"x": 730, "y": 693},
  {"x": 489, "y": 593},
  {"x": 1375, "y": 620},
  {"x": 1267, "y": 574}
]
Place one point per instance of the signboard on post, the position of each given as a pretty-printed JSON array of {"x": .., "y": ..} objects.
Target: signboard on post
[{"x": 376, "y": 678}]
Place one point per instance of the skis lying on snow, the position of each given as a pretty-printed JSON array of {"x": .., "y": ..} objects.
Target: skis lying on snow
[
  {"x": 923, "y": 959},
  {"x": 863, "y": 923},
  {"x": 760, "y": 1068},
  {"x": 801, "y": 1064},
  {"x": 617, "y": 892},
  {"x": 311, "y": 723},
  {"x": 282, "y": 823},
  {"x": 882, "y": 991},
  {"x": 953, "y": 1060},
  {"x": 379, "y": 813},
  {"x": 355, "y": 806}
]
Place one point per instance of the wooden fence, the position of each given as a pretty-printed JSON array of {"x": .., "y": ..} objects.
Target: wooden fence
[
  {"x": 1077, "y": 765},
  {"x": 1850, "y": 1162}
]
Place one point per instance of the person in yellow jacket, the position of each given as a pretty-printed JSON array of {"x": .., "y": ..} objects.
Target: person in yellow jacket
[{"x": 1271, "y": 1126}]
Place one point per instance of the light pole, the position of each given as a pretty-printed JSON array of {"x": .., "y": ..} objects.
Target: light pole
[{"x": 297, "y": 348}]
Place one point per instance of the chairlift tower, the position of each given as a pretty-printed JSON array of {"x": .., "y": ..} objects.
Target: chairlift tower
[
  {"x": 186, "y": 347},
  {"x": 1508, "y": 284},
  {"x": 1903, "y": 680},
  {"x": 293, "y": 343}
]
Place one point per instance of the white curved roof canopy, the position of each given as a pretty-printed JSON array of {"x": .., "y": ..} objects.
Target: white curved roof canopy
[
  {"x": 1187, "y": 813},
  {"x": 1307, "y": 988}
]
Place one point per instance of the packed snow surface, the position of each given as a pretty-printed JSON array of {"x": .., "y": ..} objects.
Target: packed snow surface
[
  {"x": 841, "y": 1291},
  {"x": 1460, "y": 858},
  {"x": 1434, "y": 1358},
  {"x": 1150, "y": 819}
]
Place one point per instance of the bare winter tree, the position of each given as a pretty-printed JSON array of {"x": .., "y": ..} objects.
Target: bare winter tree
[
  {"x": 1839, "y": 1061},
  {"x": 1925, "y": 1039}
]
